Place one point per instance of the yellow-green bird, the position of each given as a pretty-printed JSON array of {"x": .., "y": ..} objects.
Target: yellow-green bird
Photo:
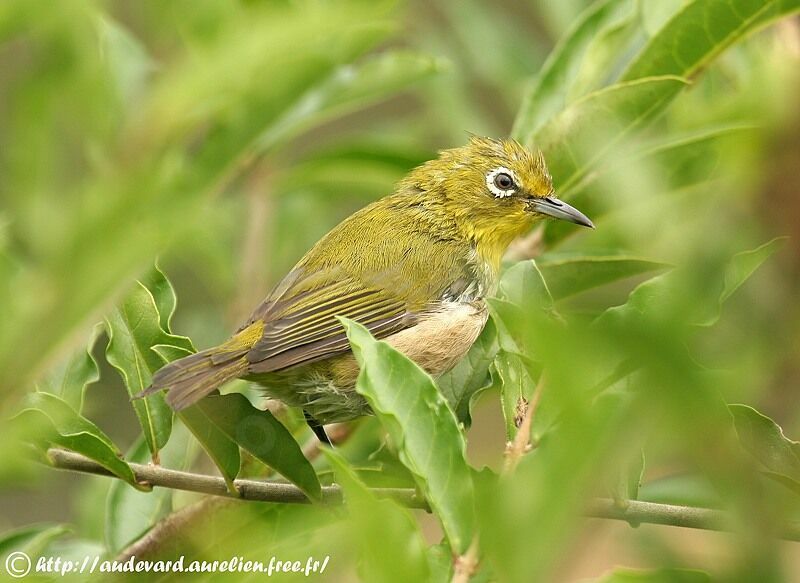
[{"x": 414, "y": 267}]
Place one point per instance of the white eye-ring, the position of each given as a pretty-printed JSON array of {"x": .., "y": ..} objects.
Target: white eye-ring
[{"x": 502, "y": 182}]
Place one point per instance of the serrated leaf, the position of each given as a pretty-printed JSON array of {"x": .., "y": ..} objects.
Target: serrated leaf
[
  {"x": 70, "y": 379},
  {"x": 223, "y": 451},
  {"x": 574, "y": 274},
  {"x": 61, "y": 425},
  {"x": 471, "y": 375},
  {"x": 266, "y": 438},
  {"x": 165, "y": 299},
  {"x": 423, "y": 428},
  {"x": 765, "y": 441},
  {"x": 547, "y": 94},
  {"x": 133, "y": 329},
  {"x": 391, "y": 545},
  {"x": 700, "y": 31},
  {"x": 129, "y": 513}
]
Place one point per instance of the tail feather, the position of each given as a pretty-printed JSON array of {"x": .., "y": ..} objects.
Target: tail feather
[{"x": 191, "y": 378}]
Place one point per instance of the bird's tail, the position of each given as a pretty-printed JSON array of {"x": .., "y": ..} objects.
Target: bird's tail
[{"x": 191, "y": 378}]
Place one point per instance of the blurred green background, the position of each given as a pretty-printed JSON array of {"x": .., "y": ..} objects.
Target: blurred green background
[{"x": 224, "y": 138}]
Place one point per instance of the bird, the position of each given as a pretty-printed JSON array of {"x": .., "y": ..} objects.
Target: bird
[{"x": 414, "y": 267}]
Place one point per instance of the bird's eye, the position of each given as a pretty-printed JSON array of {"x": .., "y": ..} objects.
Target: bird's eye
[{"x": 503, "y": 181}]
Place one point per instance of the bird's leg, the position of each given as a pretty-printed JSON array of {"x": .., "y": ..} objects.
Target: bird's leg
[{"x": 317, "y": 428}]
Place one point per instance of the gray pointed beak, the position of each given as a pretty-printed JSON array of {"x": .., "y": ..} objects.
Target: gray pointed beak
[{"x": 558, "y": 209}]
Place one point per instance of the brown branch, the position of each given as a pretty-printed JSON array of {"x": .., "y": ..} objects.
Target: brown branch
[
  {"x": 633, "y": 511},
  {"x": 168, "y": 528}
]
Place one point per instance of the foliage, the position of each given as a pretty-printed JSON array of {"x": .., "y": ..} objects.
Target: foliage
[{"x": 225, "y": 138}]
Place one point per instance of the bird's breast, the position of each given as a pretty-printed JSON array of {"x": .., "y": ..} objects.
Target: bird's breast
[{"x": 443, "y": 335}]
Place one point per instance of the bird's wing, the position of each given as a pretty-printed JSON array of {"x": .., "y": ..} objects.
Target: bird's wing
[{"x": 300, "y": 324}]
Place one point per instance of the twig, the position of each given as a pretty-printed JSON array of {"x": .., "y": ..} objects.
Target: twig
[
  {"x": 256, "y": 490},
  {"x": 632, "y": 511},
  {"x": 521, "y": 443},
  {"x": 171, "y": 525},
  {"x": 189, "y": 516},
  {"x": 466, "y": 565}
]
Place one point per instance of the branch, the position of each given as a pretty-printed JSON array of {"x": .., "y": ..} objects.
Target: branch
[
  {"x": 255, "y": 490},
  {"x": 634, "y": 511}
]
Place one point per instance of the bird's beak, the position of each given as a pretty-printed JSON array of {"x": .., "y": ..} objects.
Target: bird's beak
[{"x": 558, "y": 209}]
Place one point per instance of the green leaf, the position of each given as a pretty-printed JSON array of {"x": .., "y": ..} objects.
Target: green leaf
[
  {"x": 683, "y": 490},
  {"x": 516, "y": 388},
  {"x": 165, "y": 299},
  {"x": 739, "y": 270},
  {"x": 574, "y": 274},
  {"x": 222, "y": 450},
  {"x": 628, "y": 479},
  {"x": 623, "y": 575},
  {"x": 130, "y": 513},
  {"x": 547, "y": 94},
  {"x": 686, "y": 159},
  {"x": 658, "y": 293},
  {"x": 610, "y": 45},
  {"x": 579, "y": 137},
  {"x": 133, "y": 329},
  {"x": 522, "y": 294},
  {"x": 524, "y": 284},
  {"x": 765, "y": 441},
  {"x": 348, "y": 88},
  {"x": 462, "y": 384},
  {"x": 266, "y": 438},
  {"x": 31, "y": 539},
  {"x": 391, "y": 545},
  {"x": 744, "y": 264},
  {"x": 60, "y": 425},
  {"x": 702, "y": 30},
  {"x": 440, "y": 562},
  {"x": 70, "y": 379},
  {"x": 422, "y": 427}
]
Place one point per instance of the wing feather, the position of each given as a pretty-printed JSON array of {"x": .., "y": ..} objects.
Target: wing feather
[{"x": 301, "y": 325}]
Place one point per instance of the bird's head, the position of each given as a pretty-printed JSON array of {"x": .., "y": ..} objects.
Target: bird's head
[{"x": 495, "y": 189}]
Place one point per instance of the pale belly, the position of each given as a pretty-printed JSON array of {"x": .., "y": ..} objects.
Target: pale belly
[{"x": 327, "y": 389}]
